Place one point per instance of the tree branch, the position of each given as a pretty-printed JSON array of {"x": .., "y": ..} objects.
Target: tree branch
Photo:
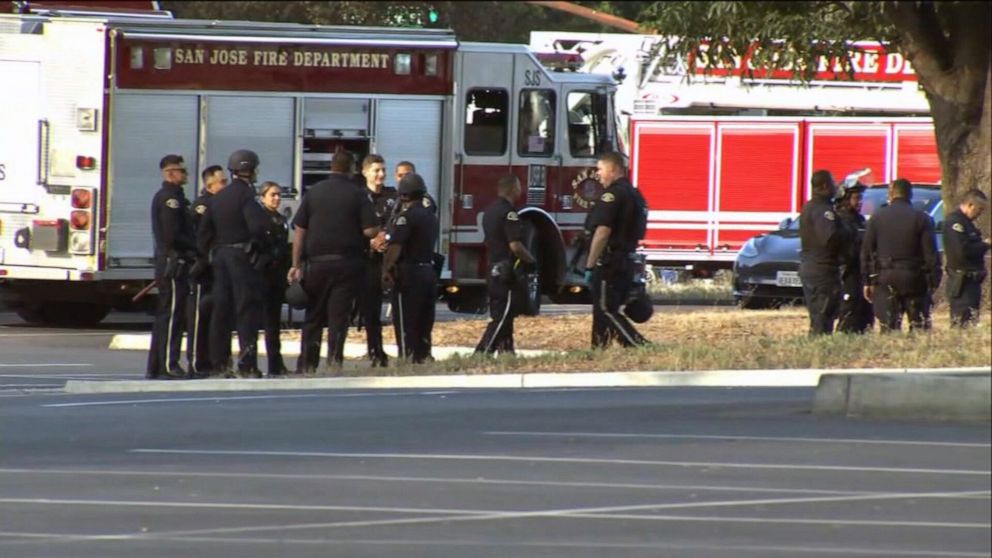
[
  {"x": 593, "y": 15},
  {"x": 921, "y": 34}
]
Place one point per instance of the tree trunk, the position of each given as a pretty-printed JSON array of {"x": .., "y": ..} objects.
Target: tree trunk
[{"x": 964, "y": 144}]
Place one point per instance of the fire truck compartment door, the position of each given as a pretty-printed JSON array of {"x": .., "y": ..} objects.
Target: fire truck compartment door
[
  {"x": 19, "y": 132},
  {"x": 262, "y": 124},
  {"x": 144, "y": 129},
  {"x": 410, "y": 130}
]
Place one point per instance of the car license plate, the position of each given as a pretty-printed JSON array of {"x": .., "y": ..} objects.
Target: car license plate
[{"x": 788, "y": 279}]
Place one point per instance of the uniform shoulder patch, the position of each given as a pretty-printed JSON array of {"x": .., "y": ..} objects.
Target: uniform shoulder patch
[
  {"x": 958, "y": 227},
  {"x": 829, "y": 215},
  {"x": 512, "y": 216},
  {"x": 200, "y": 209},
  {"x": 426, "y": 202},
  {"x": 400, "y": 221},
  {"x": 608, "y": 197},
  {"x": 172, "y": 203}
]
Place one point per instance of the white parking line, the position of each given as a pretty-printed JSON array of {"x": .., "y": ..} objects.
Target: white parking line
[
  {"x": 605, "y": 511},
  {"x": 734, "y": 550},
  {"x": 219, "y": 398},
  {"x": 729, "y": 437},
  {"x": 44, "y": 364},
  {"x": 545, "y": 459},
  {"x": 439, "y": 480}
]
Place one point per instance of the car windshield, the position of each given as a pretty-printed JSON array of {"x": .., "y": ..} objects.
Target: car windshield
[{"x": 923, "y": 199}]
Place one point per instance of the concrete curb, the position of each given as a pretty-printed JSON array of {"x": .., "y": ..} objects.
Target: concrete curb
[
  {"x": 291, "y": 347},
  {"x": 945, "y": 395},
  {"x": 710, "y": 378}
]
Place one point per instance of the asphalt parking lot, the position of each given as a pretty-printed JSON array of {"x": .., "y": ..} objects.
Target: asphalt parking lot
[{"x": 685, "y": 472}]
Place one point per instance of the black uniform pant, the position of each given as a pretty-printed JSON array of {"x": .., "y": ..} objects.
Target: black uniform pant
[
  {"x": 199, "y": 306},
  {"x": 167, "y": 331},
  {"x": 275, "y": 294},
  {"x": 610, "y": 288},
  {"x": 891, "y": 304},
  {"x": 821, "y": 292},
  {"x": 370, "y": 308},
  {"x": 854, "y": 312},
  {"x": 964, "y": 295},
  {"x": 413, "y": 310},
  {"x": 499, "y": 332},
  {"x": 332, "y": 288},
  {"x": 237, "y": 301}
]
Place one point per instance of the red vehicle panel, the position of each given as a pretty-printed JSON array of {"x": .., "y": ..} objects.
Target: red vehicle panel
[
  {"x": 915, "y": 155},
  {"x": 757, "y": 169}
]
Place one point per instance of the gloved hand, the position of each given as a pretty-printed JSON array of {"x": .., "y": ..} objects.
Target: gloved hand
[{"x": 588, "y": 277}]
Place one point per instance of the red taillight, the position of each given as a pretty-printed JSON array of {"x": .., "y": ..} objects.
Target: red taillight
[
  {"x": 84, "y": 162},
  {"x": 82, "y": 199},
  {"x": 87, "y": 276},
  {"x": 3, "y": 272},
  {"x": 80, "y": 220}
]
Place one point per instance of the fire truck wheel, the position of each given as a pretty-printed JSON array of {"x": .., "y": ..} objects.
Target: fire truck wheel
[{"x": 63, "y": 314}]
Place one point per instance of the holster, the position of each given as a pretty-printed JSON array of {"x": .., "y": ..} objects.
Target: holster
[
  {"x": 438, "y": 263},
  {"x": 502, "y": 272},
  {"x": 956, "y": 280}
]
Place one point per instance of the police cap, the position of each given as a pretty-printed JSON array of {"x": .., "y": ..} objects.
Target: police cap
[
  {"x": 640, "y": 309},
  {"x": 412, "y": 185},
  {"x": 243, "y": 160},
  {"x": 296, "y": 297}
]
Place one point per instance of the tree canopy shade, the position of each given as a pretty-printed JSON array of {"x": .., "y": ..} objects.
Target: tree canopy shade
[{"x": 948, "y": 43}]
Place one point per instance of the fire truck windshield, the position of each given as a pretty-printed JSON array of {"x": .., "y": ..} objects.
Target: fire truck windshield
[{"x": 588, "y": 119}]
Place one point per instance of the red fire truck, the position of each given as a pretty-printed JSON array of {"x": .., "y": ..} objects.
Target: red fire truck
[
  {"x": 92, "y": 101},
  {"x": 726, "y": 155}
]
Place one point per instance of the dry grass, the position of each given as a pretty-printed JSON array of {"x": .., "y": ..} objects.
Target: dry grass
[{"x": 706, "y": 340}]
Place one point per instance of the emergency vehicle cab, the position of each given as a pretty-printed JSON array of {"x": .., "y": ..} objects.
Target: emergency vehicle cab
[{"x": 93, "y": 100}]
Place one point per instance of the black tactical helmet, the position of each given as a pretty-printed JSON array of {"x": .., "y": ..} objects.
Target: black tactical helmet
[
  {"x": 296, "y": 297},
  {"x": 852, "y": 184},
  {"x": 412, "y": 185},
  {"x": 242, "y": 160},
  {"x": 640, "y": 309}
]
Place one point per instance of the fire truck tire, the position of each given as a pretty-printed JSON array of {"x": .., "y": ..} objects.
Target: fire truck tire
[
  {"x": 64, "y": 314},
  {"x": 468, "y": 301},
  {"x": 532, "y": 241}
]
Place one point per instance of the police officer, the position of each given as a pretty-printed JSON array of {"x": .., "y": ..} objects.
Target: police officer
[
  {"x": 200, "y": 303},
  {"x": 233, "y": 230},
  {"x": 819, "y": 264},
  {"x": 370, "y": 297},
  {"x": 609, "y": 264},
  {"x": 332, "y": 227},
  {"x": 899, "y": 261},
  {"x": 855, "y": 312},
  {"x": 274, "y": 264},
  {"x": 175, "y": 249},
  {"x": 404, "y": 168},
  {"x": 502, "y": 229},
  {"x": 408, "y": 270},
  {"x": 965, "y": 251}
]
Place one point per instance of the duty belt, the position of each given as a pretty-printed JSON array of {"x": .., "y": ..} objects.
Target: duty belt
[
  {"x": 238, "y": 245},
  {"x": 969, "y": 273},
  {"x": 327, "y": 258}
]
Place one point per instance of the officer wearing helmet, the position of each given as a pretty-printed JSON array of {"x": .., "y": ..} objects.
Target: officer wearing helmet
[
  {"x": 408, "y": 270},
  {"x": 232, "y": 229},
  {"x": 332, "y": 228},
  {"x": 854, "y": 313}
]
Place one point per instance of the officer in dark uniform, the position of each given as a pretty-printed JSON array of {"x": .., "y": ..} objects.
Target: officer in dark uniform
[
  {"x": 855, "y": 312},
  {"x": 233, "y": 230},
  {"x": 502, "y": 229},
  {"x": 175, "y": 249},
  {"x": 610, "y": 264},
  {"x": 408, "y": 270},
  {"x": 200, "y": 304},
  {"x": 332, "y": 227},
  {"x": 819, "y": 264},
  {"x": 965, "y": 251},
  {"x": 900, "y": 262},
  {"x": 370, "y": 297},
  {"x": 274, "y": 264}
]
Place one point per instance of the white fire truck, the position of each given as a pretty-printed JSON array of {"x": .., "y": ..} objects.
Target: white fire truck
[
  {"x": 92, "y": 100},
  {"x": 726, "y": 156}
]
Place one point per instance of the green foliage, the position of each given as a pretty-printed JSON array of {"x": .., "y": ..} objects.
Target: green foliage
[
  {"x": 784, "y": 35},
  {"x": 472, "y": 21}
]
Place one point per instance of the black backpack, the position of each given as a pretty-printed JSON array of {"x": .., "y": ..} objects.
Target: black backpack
[{"x": 638, "y": 217}]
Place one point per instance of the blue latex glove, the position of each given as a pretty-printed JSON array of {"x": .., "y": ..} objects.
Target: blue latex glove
[{"x": 588, "y": 277}]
